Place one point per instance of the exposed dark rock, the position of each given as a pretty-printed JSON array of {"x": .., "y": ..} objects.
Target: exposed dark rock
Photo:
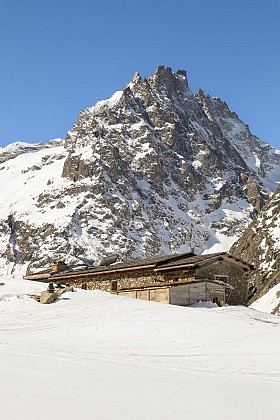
[{"x": 260, "y": 245}]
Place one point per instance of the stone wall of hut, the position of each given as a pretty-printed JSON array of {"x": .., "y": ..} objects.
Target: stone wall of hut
[
  {"x": 117, "y": 281},
  {"x": 235, "y": 277},
  {"x": 107, "y": 282}
]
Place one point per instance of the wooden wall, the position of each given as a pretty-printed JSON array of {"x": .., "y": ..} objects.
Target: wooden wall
[
  {"x": 188, "y": 294},
  {"x": 155, "y": 295},
  {"x": 181, "y": 294}
]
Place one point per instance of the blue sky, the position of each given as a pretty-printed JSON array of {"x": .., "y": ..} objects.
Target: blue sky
[{"x": 61, "y": 56}]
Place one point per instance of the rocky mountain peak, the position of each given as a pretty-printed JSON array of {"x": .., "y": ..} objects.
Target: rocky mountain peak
[
  {"x": 166, "y": 81},
  {"x": 152, "y": 170},
  {"x": 137, "y": 79}
]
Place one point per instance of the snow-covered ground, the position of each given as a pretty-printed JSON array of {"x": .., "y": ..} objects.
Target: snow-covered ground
[
  {"x": 270, "y": 302},
  {"x": 92, "y": 355}
]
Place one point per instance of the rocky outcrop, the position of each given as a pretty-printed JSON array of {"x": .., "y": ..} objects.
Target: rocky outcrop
[
  {"x": 152, "y": 170},
  {"x": 260, "y": 246}
]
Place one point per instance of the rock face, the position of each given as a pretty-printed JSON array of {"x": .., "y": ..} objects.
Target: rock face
[
  {"x": 152, "y": 170},
  {"x": 260, "y": 246}
]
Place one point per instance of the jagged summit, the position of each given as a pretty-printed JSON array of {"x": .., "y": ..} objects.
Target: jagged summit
[
  {"x": 152, "y": 170},
  {"x": 163, "y": 80},
  {"x": 165, "y": 75},
  {"x": 136, "y": 79}
]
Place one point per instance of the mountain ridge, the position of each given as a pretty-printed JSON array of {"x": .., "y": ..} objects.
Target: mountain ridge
[{"x": 152, "y": 170}]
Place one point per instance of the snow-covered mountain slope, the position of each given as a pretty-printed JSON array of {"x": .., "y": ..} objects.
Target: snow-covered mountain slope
[
  {"x": 93, "y": 355},
  {"x": 260, "y": 245},
  {"x": 269, "y": 302},
  {"x": 152, "y": 170}
]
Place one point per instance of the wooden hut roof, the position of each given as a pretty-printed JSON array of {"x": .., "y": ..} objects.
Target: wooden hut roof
[{"x": 158, "y": 264}]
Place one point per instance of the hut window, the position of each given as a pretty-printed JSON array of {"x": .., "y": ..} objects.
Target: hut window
[
  {"x": 114, "y": 285},
  {"x": 221, "y": 278}
]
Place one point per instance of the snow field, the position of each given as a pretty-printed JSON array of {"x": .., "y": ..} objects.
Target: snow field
[{"x": 93, "y": 355}]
